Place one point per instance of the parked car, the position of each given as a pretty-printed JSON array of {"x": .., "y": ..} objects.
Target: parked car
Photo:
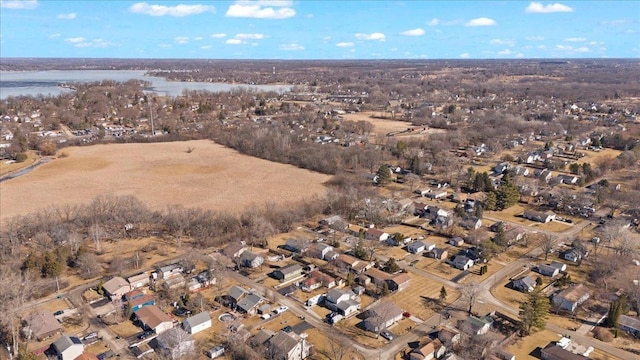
[
  {"x": 182, "y": 312},
  {"x": 265, "y": 316},
  {"x": 281, "y": 309},
  {"x": 287, "y": 329},
  {"x": 58, "y": 313},
  {"x": 105, "y": 355},
  {"x": 387, "y": 335}
]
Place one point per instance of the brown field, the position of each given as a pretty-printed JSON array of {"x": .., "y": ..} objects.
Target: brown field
[
  {"x": 421, "y": 298},
  {"x": 385, "y": 126},
  {"x": 160, "y": 174},
  {"x": 8, "y": 167}
]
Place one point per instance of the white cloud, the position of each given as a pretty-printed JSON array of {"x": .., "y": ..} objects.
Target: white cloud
[
  {"x": 345, "y": 44},
  {"x": 181, "y": 39},
  {"x": 234, "y": 42},
  {"x": 483, "y": 21},
  {"x": 197, "y": 38},
  {"x": 464, "y": 55},
  {"x": 575, "y": 39},
  {"x": 205, "y": 47},
  {"x": 261, "y": 9},
  {"x": 53, "y": 36},
  {"x": 373, "y": 36},
  {"x": 504, "y": 42},
  {"x": 69, "y": 16},
  {"x": 434, "y": 22},
  {"x": 291, "y": 47},
  {"x": 82, "y": 42},
  {"x": 326, "y": 38},
  {"x": 19, "y": 4},
  {"x": 413, "y": 32},
  {"x": 180, "y": 10},
  {"x": 219, "y": 35},
  {"x": 538, "y": 8},
  {"x": 582, "y": 49},
  {"x": 535, "y": 38},
  {"x": 571, "y": 49},
  {"x": 75, "y": 40},
  {"x": 249, "y": 36},
  {"x": 505, "y": 52}
]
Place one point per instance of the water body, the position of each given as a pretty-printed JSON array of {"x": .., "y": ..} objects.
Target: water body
[{"x": 16, "y": 83}]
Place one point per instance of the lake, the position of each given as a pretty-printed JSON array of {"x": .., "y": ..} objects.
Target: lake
[{"x": 15, "y": 83}]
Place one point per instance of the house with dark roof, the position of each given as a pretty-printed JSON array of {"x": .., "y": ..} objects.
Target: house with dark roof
[
  {"x": 297, "y": 245},
  {"x": 480, "y": 325},
  {"x": 546, "y": 270},
  {"x": 376, "y": 234},
  {"x": 42, "y": 324},
  {"x": 629, "y": 324},
  {"x": 470, "y": 223},
  {"x": 136, "y": 299},
  {"x": 249, "y": 304},
  {"x": 462, "y": 262},
  {"x": 555, "y": 352},
  {"x": 68, "y": 347},
  {"x": 250, "y": 259},
  {"x": 320, "y": 251},
  {"x": 539, "y": 216},
  {"x": 342, "y": 301}
]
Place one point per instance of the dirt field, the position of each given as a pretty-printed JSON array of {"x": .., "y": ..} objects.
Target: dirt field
[
  {"x": 159, "y": 174},
  {"x": 385, "y": 126}
]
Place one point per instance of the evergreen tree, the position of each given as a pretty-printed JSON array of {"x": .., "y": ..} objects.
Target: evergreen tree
[
  {"x": 488, "y": 184},
  {"x": 490, "y": 201},
  {"x": 616, "y": 309},
  {"x": 443, "y": 294},
  {"x": 534, "y": 311},
  {"x": 501, "y": 237},
  {"x": 384, "y": 175},
  {"x": 415, "y": 165},
  {"x": 507, "y": 194},
  {"x": 391, "y": 265},
  {"x": 52, "y": 266},
  {"x": 384, "y": 291}
]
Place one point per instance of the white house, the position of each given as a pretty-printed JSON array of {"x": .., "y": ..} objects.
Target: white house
[
  {"x": 462, "y": 262},
  {"x": 376, "y": 234},
  {"x": 543, "y": 217},
  {"x": 547, "y": 270},
  {"x": 137, "y": 281},
  {"x": 197, "y": 323},
  {"x": 416, "y": 247},
  {"x": 68, "y": 347}
]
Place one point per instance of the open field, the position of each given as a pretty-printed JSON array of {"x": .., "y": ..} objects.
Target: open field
[
  {"x": 7, "y": 166},
  {"x": 421, "y": 297},
  {"x": 160, "y": 174},
  {"x": 385, "y": 126}
]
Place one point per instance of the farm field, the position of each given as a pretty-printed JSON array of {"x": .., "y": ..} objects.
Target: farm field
[{"x": 159, "y": 174}]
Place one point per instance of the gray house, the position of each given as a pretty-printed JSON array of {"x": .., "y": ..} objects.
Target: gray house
[
  {"x": 288, "y": 272},
  {"x": 250, "y": 259},
  {"x": 524, "y": 284},
  {"x": 174, "y": 343},
  {"x": 68, "y": 347},
  {"x": 547, "y": 270}
]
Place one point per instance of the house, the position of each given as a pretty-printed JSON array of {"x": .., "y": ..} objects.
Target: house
[
  {"x": 235, "y": 294},
  {"x": 573, "y": 255},
  {"x": 433, "y": 349},
  {"x": 555, "y": 352},
  {"x": 420, "y": 209},
  {"x": 68, "y": 347},
  {"x": 629, "y": 324},
  {"x": 501, "y": 168},
  {"x": 543, "y": 174},
  {"x": 378, "y": 277},
  {"x": 355, "y": 265},
  {"x": 524, "y": 284},
  {"x": 201, "y": 281},
  {"x": 457, "y": 241},
  {"x": 558, "y": 265},
  {"x": 376, "y": 234},
  {"x": 348, "y": 308},
  {"x": 137, "y": 281},
  {"x": 215, "y": 352},
  {"x": 382, "y": 316},
  {"x": 547, "y": 270},
  {"x": 439, "y": 254},
  {"x": 470, "y": 223},
  {"x": 174, "y": 344},
  {"x": 320, "y": 251},
  {"x": 250, "y": 259},
  {"x": 169, "y": 271},
  {"x": 43, "y": 324},
  {"x": 116, "y": 287},
  {"x": 331, "y": 255},
  {"x": 443, "y": 222},
  {"x": 416, "y": 247},
  {"x": 399, "y": 282},
  {"x": 571, "y": 297},
  {"x": 288, "y": 272},
  {"x": 249, "y": 304},
  {"x": 174, "y": 282},
  {"x": 234, "y": 250},
  {"x": 152, "y": 318},
  {"x": 317, "y": 279},
  {"x": 335, "y": 222},
  {"x": 539, "y": 216},
  {"x": 449, "y": 337},
  {"x": 342, "y": 301},
  {"x": 479, "y": 325},
  {"x": 440, "y": 194},
  {"x": 197, "y": 323},
  {"x": 288, "y": 346},
  {"x": 514, "y": 234},
  {"x": 136, "y": 299},
  {"x": 296, "y": 245},
  {"x": 462, "y": 262},
  {"x": 567, "y": 179}
]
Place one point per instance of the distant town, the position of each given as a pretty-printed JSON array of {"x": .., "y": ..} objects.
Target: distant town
[{"x": 392, "y": 209}]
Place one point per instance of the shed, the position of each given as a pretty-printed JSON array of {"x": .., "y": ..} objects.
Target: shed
[{"x": 197, "y": 323}]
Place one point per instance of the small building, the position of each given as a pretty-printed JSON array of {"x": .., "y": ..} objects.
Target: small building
[
  {"x": 288, "y": 272},
  {"x": 457, "y": 241},
  {"x": 416, "y": 247},
  {"x": 480, "y": 325},
  {"x": 382, "y": 316},
  {"x": 68, "y": 347},
  {"x": 42, "y": 324},
  {"x": 169, "y": 271},
  {"x": 174, "y": 344},
  {"x": 248, "y": 305},
  {"x": 152, "y": 318},
  {"x": 197, "y": 323},
  {"x": 433, "y": 349},
  {"x": 558, "y": 265},
  {"x": 288, "y": 346},
  {"x": 524, "y": 284},
  {"x": 136, "y": 299},
  {"x": 174, "y": 282},
  {"x": 462, "y": 262},
  {"x": 571, "y": 297},
  {"x": 116, "y": 287},
  {"x": 234, "y": 250},
  {"x": 376, "y": 234},
  {"x": 547, "y": 270},
  {"x": 629, "y": 324},
  {"x": 250, "y": 259},
  {"x": 399, "y": 282},
  {"x": 539, "y": 216},
  {"x": 438, "y": 253},
  {"x": 137, "y": 281},
  {"x": 215, "y": 352}
]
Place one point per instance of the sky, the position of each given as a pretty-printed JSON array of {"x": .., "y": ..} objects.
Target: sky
[{"x": 330, "y": 29}]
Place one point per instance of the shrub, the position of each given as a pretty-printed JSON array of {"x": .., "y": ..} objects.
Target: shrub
[
  {"x": 21, "y": 157},
  {"x": 603, "y": 334}
]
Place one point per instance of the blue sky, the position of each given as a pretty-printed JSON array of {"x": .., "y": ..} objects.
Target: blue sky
[{"x": 281, "y": 29}]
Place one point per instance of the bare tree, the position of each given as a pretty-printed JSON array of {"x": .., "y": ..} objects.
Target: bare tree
[
  {"x": 339, "y": 348},
  {"x": 547, "y": 243},
  {"x": 470, "y": 293}
]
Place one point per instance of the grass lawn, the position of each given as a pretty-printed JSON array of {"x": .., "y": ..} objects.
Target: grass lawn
[
  {"x": 525, "y": 346},
  {"x": 323, "y": 346},
  {"x": 555, "y": 226},
  {"x": 593, "y": 157},
  {"x": 55, "y": 305},
  {"x": 125, "y": 329},
  {"x": 96, "y": 348},
  {"x": 509, "y": 296},
  {"x": 421, "y": 297},
  {"x": 363, "y": 337}
]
